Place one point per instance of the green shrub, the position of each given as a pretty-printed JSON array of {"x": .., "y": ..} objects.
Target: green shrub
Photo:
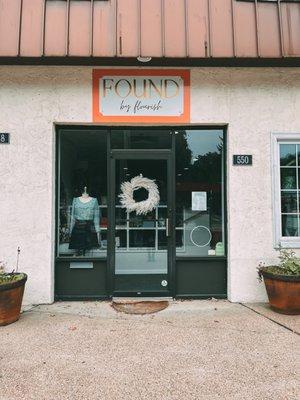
[
  {"x": 289, "y": 264},
  {"x": 8, "y": 277}
]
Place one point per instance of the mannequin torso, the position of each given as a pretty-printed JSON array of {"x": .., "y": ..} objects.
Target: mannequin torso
[
  {"x": 84, "y": 223},
  {"x": 85, "y": 197}
]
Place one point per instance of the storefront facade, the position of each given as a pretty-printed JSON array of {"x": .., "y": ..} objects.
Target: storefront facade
[
  {"x": 215, "y": 221},
  {"x": 154, "y": 253}
]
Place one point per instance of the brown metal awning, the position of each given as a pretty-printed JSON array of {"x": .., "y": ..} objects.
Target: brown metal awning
[{"x": 161, "y": 29}]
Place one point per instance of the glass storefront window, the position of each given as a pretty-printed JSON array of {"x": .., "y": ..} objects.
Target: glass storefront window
[
  {"x": 82, "y": 208},
  {"x": 199, "y": 172},
  {"x": 290, "y": 186},
  {"x": 200, "y": 193},
  {"x": 141, "y": 139},
  {"x": 141, "y": 242}
]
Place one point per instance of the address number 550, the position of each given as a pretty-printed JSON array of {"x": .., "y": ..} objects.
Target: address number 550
[{"x": 242, "y": 159}]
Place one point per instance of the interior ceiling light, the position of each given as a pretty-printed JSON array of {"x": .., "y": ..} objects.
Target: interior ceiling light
[{"x": 144, "y": 59}]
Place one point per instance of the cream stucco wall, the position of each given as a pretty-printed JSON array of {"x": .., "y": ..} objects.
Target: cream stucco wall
[{"x": 253, "y": 102}]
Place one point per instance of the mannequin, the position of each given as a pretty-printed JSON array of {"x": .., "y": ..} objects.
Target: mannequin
[
  {"x": 85, "y": 223},
  {"x": 85, "y": 197}
]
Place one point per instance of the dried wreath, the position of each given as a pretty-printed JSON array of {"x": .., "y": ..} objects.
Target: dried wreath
[{"x": 141, "y": 207}]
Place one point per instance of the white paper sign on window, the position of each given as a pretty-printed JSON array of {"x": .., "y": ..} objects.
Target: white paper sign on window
[{"x": 199, "y": 201}]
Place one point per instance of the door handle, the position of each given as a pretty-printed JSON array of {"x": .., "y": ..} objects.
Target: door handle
[{"x": 167, "y": 227}]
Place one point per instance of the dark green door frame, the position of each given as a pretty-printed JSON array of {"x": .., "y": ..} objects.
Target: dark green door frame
[
  {"x": 144, "y": 154},
  {"x": 196, "y": 277}
]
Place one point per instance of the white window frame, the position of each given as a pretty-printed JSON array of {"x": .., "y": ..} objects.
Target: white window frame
[{"x": 276, "y": 140}]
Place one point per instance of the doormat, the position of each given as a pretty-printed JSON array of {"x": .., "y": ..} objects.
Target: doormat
[{"x": 139, "y": 307}]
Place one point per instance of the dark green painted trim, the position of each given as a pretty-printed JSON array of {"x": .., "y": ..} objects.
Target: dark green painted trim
[
  {"x": 155, "y": 62},
  {"x": 80, "y": 259},
  {"x": 79, "y": 297},
  {"x": 151, "y": 128},
  {"x": 208, "y": 258},
  {"x": 176, "y": 260},
  {"x": 110, "y": 215},
  {"x": 136, "y": 154},
  {"x": 201, "y": 296},
  {"x": 143, "y": 294},
  {"x": 201, "y": 278},
  {"x": 57, "y": 172},
  {"x": 172, "y": 216}
]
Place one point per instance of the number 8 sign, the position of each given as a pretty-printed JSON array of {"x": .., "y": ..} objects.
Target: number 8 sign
[{"x": 4, "y": 138}]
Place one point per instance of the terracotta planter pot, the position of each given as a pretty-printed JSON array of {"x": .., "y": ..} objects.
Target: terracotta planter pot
[
  {"x": 283, "y": 292},
  {"x": 11, "y": 295}
]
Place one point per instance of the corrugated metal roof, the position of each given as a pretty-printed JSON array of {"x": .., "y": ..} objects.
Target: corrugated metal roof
[{"x": 154, "y": 28}]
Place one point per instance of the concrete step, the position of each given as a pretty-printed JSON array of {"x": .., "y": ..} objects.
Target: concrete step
[
  {"x": 140, "y": 305},
  {"x": 132, "y": 300}
]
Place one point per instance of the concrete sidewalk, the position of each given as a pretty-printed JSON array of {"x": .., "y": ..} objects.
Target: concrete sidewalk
[{"x": 192, "y": 350}]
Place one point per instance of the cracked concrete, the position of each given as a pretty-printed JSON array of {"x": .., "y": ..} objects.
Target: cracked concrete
[{"x": 191, "y": 350}]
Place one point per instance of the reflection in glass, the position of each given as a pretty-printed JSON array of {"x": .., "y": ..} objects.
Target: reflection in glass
[
  {"x": 162, "y": 215},
  {"x": 146, "y": 252},
  {"x": 141, "y": 238},
  {"x": 199, "y": 170},
  {"x": 179, "y": 216},
  {"x": 200, "y": 236},
  {"x": 141, "y": 139},
  {"x": 290, "y": 225},
  {"x": 162, "y": 240},
  {"x": 288, "y": 178},
  {"x": 287, "y": 154},
  {"x": 179, "y": 239},
  {"x": 142, "y": 221},
  {"x": 289, "y": 202},
  {"x": 121, "y": 217},
  {"x": 121, "y": 239}
]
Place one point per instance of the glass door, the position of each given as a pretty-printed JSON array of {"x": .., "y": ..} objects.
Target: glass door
[{"x": 141, "y": 244}]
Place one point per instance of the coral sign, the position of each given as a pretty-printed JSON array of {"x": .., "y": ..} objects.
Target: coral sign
[{"x": 141, "y": 95}]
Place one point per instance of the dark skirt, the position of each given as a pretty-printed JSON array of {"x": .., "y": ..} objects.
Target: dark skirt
[{"x": 83, "y": 236}]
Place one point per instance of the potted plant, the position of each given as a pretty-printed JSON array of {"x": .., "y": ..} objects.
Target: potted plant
[
  {"x": 282, "y": 283},
  {"x": 11, "y": 293}
]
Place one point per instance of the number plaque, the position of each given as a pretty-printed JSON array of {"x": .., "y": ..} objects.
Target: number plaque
[
  {"x": 4, "y": 138},
  {"x": 242, "y": 159}
]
